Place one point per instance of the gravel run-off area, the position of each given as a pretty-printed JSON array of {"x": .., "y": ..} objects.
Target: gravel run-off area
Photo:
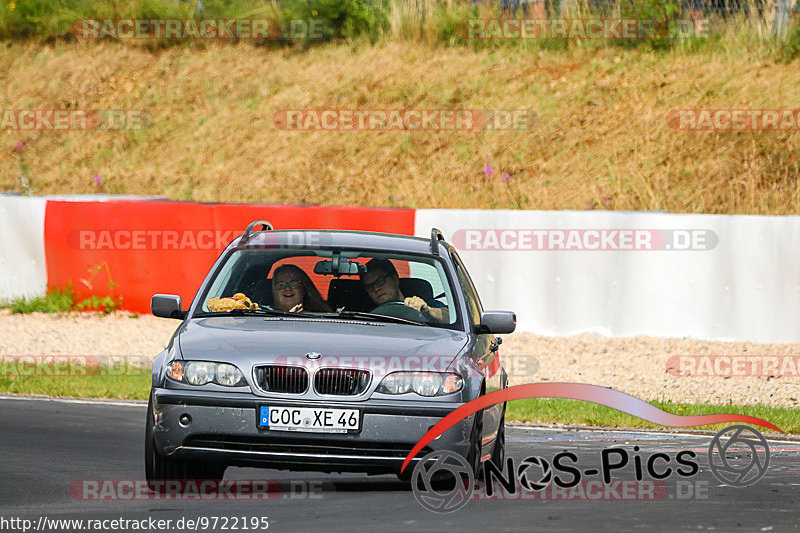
[{"x": 635, "y": 365}]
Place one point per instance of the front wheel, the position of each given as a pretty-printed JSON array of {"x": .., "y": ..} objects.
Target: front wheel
[
  {"x": 475, "y": 446},
  {"x": 499, "y": 452},
  {"x": 158, "y": 470}
]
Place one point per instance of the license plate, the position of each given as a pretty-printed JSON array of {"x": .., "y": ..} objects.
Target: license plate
[{"x": 312, "y": 419}]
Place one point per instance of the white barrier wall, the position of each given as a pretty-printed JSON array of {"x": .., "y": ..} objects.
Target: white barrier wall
[
  {"x": 22, "y": 263},
  {"x": 745, "y": 287}
]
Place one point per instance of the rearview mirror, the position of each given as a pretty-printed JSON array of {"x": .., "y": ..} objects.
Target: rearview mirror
[
  {"x": 498, "y": 322},
  {"x": 167, "y": 306},
  {"x": 338, "y": 267}
]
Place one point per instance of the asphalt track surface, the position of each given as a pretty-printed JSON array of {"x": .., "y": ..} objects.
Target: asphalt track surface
[{"x": 47, "y": 446}]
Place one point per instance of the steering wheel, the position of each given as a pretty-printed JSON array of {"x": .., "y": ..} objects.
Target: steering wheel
[{"x": 399, "y": 310}]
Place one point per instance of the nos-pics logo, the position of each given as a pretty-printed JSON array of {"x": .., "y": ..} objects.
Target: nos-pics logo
[{"x": 443, "y": 481}]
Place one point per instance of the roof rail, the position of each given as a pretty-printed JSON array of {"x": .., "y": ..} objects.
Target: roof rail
[
  {"x": 265, "y": 225},
  {"x": 436, "y": 236}
]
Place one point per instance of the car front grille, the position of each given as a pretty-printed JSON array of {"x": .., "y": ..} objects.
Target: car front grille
[
  {"x": 341, "y": 381},
  {"x": 284, "y": 379}
]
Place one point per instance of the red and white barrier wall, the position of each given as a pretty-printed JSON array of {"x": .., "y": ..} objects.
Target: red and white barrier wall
[{"x": 619, "y": 274}]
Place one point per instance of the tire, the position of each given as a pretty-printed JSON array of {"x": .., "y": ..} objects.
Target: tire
[
  {"x": 499, "y": 452},
  {"x": 474, "y": 454},
  {"x": 158, "y": 469}
]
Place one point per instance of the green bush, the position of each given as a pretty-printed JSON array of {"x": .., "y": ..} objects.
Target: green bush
[
  {"x": 451, "y": 24},
  {"x": 791, "y": 48},
  {"x": 22, "y": 19},
  {"x": 346, "y": 18},
  {"x": 52, "y": 18},
  {"x": 63, "y": 300},
  {"x": 432, "y": 20},
  {"x": 105, "y": 304},
  {"x": 651, "y": 9},
  {"x": 663, "y": 13},
  {"x": 56, "y": 301}
]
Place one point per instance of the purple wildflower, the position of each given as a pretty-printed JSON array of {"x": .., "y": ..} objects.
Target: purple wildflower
[
  {"x": 506, "y": 177},
  {"x": 488, "y": 170},
  {"x": 97, "y": 179}
]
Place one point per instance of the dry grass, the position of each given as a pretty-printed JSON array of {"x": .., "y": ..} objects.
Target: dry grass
[{"x": 602, "y": 133}]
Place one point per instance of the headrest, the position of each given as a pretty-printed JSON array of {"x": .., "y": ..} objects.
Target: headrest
[{"x": 416, "y": 287}]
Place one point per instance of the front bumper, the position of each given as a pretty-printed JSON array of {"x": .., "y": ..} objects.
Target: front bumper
[{"x": 223, "y": 428}]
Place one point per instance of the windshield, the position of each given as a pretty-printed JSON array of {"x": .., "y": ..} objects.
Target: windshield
[{"x": 342, "y": 283}]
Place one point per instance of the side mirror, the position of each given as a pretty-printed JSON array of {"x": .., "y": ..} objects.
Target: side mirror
[
  {"x": 167, "y": 306},
  {"x": 498, "y": 322}
]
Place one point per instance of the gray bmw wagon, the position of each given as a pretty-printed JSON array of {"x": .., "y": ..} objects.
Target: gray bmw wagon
[{"x": 330, "y": 351}]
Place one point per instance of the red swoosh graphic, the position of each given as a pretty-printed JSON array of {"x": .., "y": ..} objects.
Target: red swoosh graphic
[{"x": 579, "y": 391}]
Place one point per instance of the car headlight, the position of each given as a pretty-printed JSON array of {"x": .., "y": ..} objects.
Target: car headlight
[
  {"x": 198, "y": 373},
  {"x": 203, "y": 372},
  {"x": 228, "y": 375},
  {"x": 396, "y": 383},
  {"x": 423, "y": 383}
]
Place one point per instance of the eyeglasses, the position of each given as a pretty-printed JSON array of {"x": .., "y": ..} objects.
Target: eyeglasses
[
  {"x": 283, "y": 284},
  {"x": 379, "y": 282}
]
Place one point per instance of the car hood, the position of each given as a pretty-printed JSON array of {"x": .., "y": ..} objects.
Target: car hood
[{"x": 247, "y": 341}]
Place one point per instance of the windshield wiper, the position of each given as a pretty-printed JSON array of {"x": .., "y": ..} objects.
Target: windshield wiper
[
  {"x": 260, "y": 311},
  {"x": 278, "y": 312},
  {"x": 359, "y": 315},
  {"x": 376, "y": 317}
]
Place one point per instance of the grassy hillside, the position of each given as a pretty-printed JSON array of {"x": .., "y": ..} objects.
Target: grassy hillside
[{"x": 602, "y": 140}]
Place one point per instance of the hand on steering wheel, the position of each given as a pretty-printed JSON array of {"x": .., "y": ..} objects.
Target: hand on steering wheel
[
  {"x": 400, "y": 310},
  {"x": 417, "y": 303}
]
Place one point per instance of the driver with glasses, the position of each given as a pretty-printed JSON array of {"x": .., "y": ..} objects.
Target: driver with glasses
[{"x": 382, "y": 283}]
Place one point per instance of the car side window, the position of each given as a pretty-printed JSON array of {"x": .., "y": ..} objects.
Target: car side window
[{"x": 470, "y": 296}]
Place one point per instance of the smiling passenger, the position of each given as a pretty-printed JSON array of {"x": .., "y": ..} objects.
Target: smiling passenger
[{"x": 293, "y": 290}]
